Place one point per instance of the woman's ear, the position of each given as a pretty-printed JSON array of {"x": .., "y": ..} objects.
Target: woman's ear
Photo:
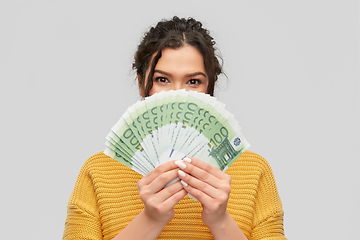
[{"x": 141, "y": 88}]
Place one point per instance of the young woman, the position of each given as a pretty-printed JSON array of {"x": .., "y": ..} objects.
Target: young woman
[{"x": 111, "y": 201}]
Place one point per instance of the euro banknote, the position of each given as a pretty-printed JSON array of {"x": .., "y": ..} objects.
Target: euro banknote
[{"x": 172, "y": 125}]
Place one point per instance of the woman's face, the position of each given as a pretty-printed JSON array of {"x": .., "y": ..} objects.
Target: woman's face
[{"x": 180, "y": 68}]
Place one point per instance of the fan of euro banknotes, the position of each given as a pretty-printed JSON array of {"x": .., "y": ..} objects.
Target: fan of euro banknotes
[{"x": 173, "y": 125}]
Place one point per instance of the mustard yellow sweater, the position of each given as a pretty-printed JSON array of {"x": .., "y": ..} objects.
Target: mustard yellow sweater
[{"x": 105, "y": 199}]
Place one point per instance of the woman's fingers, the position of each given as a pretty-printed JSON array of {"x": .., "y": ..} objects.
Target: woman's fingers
[
  {"x": 196, "y": 187},
  {"x": 159, "y": 201},
  {"x": 209, "y": 185},
  {"x": 204, "y": 191},
  {"x": 174, "y": 195},
  {"x": 155, "y": 180},
  {"x": 206, "y": 167},
  {"x": 203, "y": 172},
  {"x": 204, "y": 181},
  {"x": 165, "y": 193},
  {"x": 155, "y": 173},
  {"x": 203, "y": 195}
]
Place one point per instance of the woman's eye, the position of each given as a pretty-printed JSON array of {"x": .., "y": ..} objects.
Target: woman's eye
[
  {"x": 194, "y": 81},
  {"x": 161, "y": 79}
]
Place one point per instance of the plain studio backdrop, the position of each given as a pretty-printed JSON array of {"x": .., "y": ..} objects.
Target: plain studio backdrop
[{"x": 293, "y": 84}]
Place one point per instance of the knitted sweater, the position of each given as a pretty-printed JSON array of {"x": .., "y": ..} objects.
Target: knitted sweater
[{"x": 106, "y": 199}]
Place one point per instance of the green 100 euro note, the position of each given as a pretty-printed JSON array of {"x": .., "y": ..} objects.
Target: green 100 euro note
[{"x": 172, "y": 125}]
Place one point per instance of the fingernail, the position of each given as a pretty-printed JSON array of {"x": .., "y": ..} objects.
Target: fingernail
[
  {"x": 180, "y": 164},
  {"x": 187, "y": 160},
  {"x": 184, "y": 183},
  {"x": 181, "y": 173}
]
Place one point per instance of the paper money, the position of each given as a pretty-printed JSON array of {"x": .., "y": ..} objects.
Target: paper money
[{"x": 173, "y": 125}]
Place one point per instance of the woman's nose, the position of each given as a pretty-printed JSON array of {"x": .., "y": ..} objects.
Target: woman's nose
[{"x": 177, "y": 86}]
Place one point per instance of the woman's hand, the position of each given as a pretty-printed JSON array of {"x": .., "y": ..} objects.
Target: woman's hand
[
  {"x": 212, "y": 188},
  {"x": 159, "y": 201},
  {"x": 209, "y": 185}
]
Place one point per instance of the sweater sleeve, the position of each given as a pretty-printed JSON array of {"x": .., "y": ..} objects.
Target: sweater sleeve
[
  {"x": 83, "y": 219},
  {"x": 268, "y": 221}
]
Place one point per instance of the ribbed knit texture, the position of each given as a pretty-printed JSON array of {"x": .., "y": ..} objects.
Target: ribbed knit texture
[{"x": 105, "y": 200}]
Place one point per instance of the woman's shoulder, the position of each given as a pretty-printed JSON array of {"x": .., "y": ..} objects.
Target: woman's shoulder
[
  {"x": 100, "y": 162},
  {"x": 251, "y": 157},
  {"x": 99, "y": 158},
  {"x": 250, "y": 162}
]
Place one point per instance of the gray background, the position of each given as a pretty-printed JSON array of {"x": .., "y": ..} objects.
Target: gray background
[{"x": 293, "y": 69}]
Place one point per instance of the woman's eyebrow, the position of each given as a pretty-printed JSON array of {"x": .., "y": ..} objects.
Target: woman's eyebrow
[
  {"x": 162, "y": 72},
  {"x": 195, "y": 74},
  {"x": 187, "y": 75}
]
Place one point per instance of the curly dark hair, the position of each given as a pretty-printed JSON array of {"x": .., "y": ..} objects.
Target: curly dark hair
[{"x": 175, "y": 33}]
